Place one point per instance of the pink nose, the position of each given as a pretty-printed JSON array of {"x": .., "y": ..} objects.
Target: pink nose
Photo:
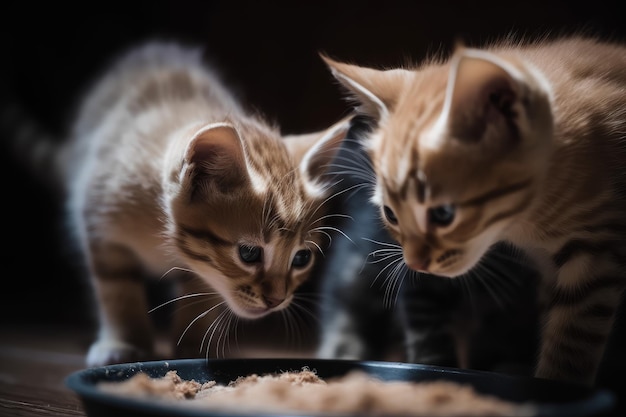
[{"x": 419, "y": 265}]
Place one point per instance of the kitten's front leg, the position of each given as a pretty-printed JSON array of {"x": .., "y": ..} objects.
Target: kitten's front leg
[
  {"x": 579, "y": 319},
  {"x": 125, "y": 333},
  {"x": 426, "y": 312}
]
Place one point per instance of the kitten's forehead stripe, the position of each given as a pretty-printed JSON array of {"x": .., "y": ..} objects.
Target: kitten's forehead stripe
[
  {"x": 205, "y": 234},
  {"x": 283, "y": 183},
  {"x": 406, "y": 185},
  {"x": 201, "y": 257},
  {"x": 497, "y": 193}
]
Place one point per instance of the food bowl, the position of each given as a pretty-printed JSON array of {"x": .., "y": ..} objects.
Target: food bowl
[{"x": 551, "y": 398}]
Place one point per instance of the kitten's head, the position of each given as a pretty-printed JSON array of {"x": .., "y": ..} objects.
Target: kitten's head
[
  {"x": 245, "y": 207},
  {"x": 459, "y": 151}
]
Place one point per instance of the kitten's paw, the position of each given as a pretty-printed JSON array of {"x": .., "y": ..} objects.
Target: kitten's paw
[{"x": 109, "y": 352}]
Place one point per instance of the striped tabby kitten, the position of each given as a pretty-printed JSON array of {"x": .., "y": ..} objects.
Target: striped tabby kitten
[
  {"x": 523, "y": 143},
  {"x": 376, "y": 309},
  {"x": 164, "y": 169}
]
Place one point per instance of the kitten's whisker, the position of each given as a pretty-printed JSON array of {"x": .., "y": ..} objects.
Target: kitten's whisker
[
  {"x": 352, "y": 164},
  {"x": 328, "y": 216},
  {"x": 362, "y": 174},
  {"x": 356, "y": 176},
  {"x": 395, "y": 251},
  {"x": 334, "y": 229},
  {"x": 215, "y": 325},
  {"x": 316, "y": 245},
  {"x": 393, "y": 255},
  {"x": 328, "y": 236},
  {"x": 220, "y": 334},
  {"x": 198, "y": 317},
  {"x": 183, "y": 297},
  {"x": 286, "y": 324},
  {"x": 333, "y": 196},
  {"x": 391, "y": 264},
  {"x": 401, "y": 281},
  {"x": 175, "y": 268},
  {"x": 300, "y": 321},
  {"x": 236, "y": 331},
  {"x": 361, "y": 186},
  {"x": 390, "y": 285},
  {"x": 327, "y": 187},
  {"x": 357, "y": 153},
  {"x": 393, "y": 245},
  {"x": 366, "y": 262},
  {"x": 225, "y": 333}
]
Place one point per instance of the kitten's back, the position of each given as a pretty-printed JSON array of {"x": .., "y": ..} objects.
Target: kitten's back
[{"x": 158, "y": 77}]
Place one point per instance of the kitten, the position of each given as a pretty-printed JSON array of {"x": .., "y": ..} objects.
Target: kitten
[
  {"x": 374, "y": 309},
  {"x": 164, "y": 168},
  {"x": 518, "y": 142},
  {"x": 357, "y": 315}
]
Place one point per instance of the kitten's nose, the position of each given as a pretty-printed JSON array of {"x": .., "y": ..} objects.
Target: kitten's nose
[
  {"x": 272, "y": 302},
  {"x": 419, "y": 265}
]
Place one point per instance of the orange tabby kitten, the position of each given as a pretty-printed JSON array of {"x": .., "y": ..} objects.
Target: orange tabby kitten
[
  {"x": 511, "y": 142},
  {"x": 164, "y": 169}
]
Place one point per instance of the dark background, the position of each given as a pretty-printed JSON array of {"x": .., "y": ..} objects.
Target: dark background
[{"x": 268, "y": 53}]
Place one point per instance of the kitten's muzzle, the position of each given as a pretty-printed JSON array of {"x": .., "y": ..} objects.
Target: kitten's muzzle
[
  {"x": 417, "y": 256},
  {"x": 272, "y": 302},
  {"x": 419, "y": 265}
]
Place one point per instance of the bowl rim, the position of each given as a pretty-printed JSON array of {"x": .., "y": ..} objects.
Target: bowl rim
[{"x": 83, "y": 383}]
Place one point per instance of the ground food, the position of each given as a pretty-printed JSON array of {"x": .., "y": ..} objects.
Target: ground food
[{"x": 304, "y": 392}]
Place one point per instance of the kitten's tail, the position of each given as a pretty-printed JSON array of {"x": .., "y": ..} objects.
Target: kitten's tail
[{"x": 30, "y": 145}]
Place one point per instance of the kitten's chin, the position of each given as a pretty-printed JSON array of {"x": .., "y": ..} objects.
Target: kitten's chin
[
  {"x": 248, "y": 312},
  {"x": 459, "y": 268},
  {"x": 252, "y": 313}
]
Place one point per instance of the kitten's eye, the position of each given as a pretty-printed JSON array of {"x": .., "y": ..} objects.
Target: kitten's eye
[
  {"x": 302, "y": 258},
  {"x": 389, "y": 214},
  {"x": 441, "y": 215},
  {"x": 250, "y": 254}
]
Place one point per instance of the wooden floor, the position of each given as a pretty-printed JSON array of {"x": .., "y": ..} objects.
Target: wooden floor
[
  {"x": 33, "y": 365},
  {"x": 34, "y": 362}
]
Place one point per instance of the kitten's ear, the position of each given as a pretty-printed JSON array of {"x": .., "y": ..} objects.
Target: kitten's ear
[
  {"x": 316, "y": 151},
  {"x": 484, "y": 96},
  {"x": 376, "y": 91},
  {"x": 215, "y": 157}
]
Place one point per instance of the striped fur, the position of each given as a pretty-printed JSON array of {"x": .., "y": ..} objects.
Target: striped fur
[
  {"x": 526, "y": 142},
  {"x": 164, "y": 169},
  {"x": 376, "y": 309}
]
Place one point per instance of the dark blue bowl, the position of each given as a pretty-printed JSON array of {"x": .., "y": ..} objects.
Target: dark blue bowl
[{"x": 553, "y": 399}]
